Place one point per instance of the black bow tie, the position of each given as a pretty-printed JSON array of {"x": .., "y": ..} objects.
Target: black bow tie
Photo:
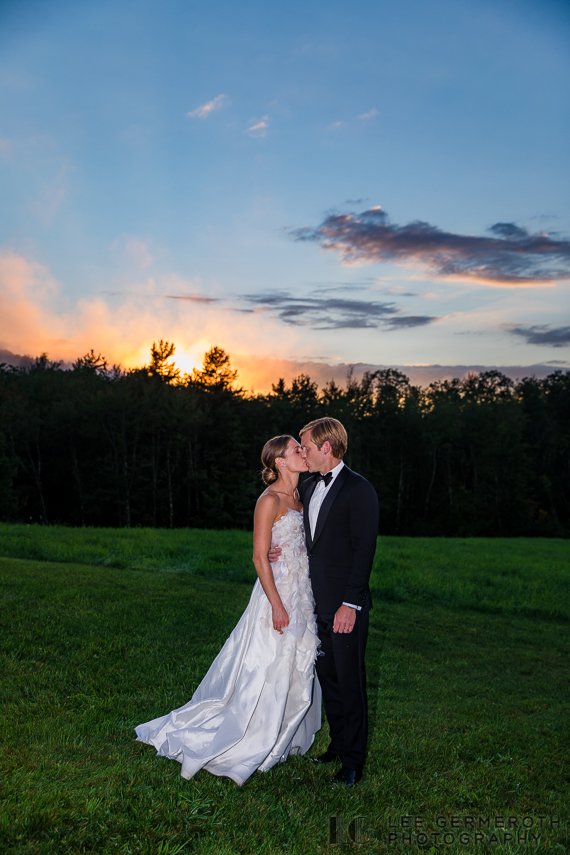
[{"x": 326, "y": 478}]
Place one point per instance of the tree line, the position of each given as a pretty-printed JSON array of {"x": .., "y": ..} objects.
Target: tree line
[{"x": 100, "y": 446}]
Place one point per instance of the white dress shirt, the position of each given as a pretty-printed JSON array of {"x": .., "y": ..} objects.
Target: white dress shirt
[
  {"x": 315, "y": 504},
  {"x": 318, "y": 498}
]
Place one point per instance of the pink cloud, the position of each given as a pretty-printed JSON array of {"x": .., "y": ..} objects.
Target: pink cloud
[{"x": 205, "y": 110}]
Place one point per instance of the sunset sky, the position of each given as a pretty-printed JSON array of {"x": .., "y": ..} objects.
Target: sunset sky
[{"x": 376, "y": 182}]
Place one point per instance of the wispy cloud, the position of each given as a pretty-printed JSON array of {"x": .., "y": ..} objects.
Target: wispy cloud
[
  {"x": 259, "y": 128},
  {"x": 509, "y": 255},
  {"x": 343, "y": 122},
  {"x": 332, "y": 313},
  {"x": 206, "y": 109},
  {"x": 370, "y": 115},
  {"x": 542, "y": 334},
  {"x": 192, "y": 298},
  {"x": 410, "y": 321},
  {"x": 544, "y": 218}
]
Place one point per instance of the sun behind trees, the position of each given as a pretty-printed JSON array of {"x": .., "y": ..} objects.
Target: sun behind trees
[
  {"x": 159, "y": 365},
  {"x": 216, "y": 371}
]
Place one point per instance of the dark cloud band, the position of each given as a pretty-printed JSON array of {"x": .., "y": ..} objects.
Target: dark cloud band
[
  {"x": 327, "y": 313},
  {"x": 192, "y": 298},
  {"x": 510, "y": 255},
  {"x": 410, "y": 321},
  {"x": 543, "y": 335}
]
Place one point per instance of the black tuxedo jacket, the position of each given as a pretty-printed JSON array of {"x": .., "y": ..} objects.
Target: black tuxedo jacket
[{"x": 342, "y": 550}]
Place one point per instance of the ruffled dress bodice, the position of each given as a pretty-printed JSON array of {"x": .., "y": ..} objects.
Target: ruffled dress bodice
[{"x": 291, "y": 574}]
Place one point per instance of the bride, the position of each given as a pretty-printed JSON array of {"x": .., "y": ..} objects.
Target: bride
[{"x": 260, "y": 700}]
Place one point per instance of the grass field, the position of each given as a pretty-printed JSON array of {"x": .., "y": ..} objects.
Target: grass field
[{"x": 469, "y": 687}]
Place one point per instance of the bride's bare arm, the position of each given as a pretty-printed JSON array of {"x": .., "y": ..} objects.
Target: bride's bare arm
[{"x": 263, "y": 519}]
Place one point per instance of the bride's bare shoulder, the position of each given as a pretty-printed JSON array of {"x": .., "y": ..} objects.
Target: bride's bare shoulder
[
  {"x": 266, "y": 509},
  {"x": 268, "y": 499}
]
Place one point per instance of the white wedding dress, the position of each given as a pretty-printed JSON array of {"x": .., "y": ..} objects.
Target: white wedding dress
[{"x": 260, "y": 699}]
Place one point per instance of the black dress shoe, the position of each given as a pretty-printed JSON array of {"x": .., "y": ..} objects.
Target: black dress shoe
[
  {"x": 348, "y": 777},
  {"x": 327, "y": 757}
]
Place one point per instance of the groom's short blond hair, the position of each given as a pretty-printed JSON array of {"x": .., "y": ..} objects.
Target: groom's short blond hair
[{"x": 331, "y": 430}]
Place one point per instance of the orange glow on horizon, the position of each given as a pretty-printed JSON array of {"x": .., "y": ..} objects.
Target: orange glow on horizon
[{"x": 35, "y": 319}]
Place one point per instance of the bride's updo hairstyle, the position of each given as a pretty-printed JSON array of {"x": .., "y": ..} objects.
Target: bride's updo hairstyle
[{"x": 273, "y": 449}]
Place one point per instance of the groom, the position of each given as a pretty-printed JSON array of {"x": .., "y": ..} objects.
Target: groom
[{"x": 341, "y": 526}]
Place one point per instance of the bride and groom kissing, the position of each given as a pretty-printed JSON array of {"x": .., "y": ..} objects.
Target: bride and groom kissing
[{"x": 313, "y": 551}]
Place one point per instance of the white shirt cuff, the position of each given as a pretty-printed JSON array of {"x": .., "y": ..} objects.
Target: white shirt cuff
[{"x": 352, "y": 606}]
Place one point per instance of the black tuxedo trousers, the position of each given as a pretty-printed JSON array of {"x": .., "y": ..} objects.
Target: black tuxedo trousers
[
  {"x": 342, "y": 675},
  {"x": 341, "y": 553}
]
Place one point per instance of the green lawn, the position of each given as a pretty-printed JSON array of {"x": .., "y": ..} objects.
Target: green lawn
[
  {"x": 468, "y": 683},
  {"x": 516, "y": 575}
]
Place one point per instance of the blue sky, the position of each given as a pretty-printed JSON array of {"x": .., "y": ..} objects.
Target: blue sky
[{"x": 253, "y": 175}]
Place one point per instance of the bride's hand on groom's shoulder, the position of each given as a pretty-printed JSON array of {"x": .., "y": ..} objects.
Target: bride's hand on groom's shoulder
[{"x": 274, "y": 554}]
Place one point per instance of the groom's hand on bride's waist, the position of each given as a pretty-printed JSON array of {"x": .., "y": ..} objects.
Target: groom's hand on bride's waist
[
  {"x": 344, "y": 619},
  {"x": 274, "y": 554}
]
